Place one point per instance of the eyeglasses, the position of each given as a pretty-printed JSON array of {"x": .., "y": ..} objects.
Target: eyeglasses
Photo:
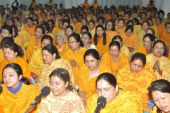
[{"x": 103, "y": 89}]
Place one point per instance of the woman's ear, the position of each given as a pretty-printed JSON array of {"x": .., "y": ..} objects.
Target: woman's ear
[
  {"x": 117, "y": 88},
  {"x": 54, "y": 55},
  {"x": 20, "y": 77},
  {"x": 66, "y": 84}
]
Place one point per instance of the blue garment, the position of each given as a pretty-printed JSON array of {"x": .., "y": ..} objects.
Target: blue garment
[{"x": 15, "y": 90}]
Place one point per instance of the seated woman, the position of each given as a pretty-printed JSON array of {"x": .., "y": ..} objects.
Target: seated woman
[
  {"x": 116, "y": 101},
  {"x": 52, "y": 61},
  {"x": 60, "y": 43},
  {"x": 88, "y": 73},
  {"x": 87, "y": 39},
  {"x": 114, "y": 59},
  {"x": 129, "y": 38},
  {"x": 14, "y": 54},
  {"x": 74, "y": 55},
  {"x": 36, "y": 62},
  {"x": 61, "y": 98},
  {"x": 159, "y": 61},
  {"x": 16, "y": 95},
  {"x": 137, "y": 77},
  {"x": 124, "y": 49},
  {"x": 148, "y": 40},
  {"x": 160, "y": 93}
]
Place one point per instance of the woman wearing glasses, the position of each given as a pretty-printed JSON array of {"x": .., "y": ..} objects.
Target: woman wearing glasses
[{"x": 116, "y": 101}]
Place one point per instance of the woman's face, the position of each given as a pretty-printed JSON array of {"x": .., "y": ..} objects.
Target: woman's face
[
  {"x": 128, "y": 32},
  {"x": 136, "y": 66},
  {"x": 9, "y": 54},
  {"x": 73, "y": 44},
  {"x": 114, "y": 51},
  {"x": 99, "y": 32},
  {"x": 91, "y": 26},
  {"x": 68, "y": 32},
  {"x": 145, "y": 26},
  {"x": 147, "y": 43},
  {"x": 109, "y": 26},
  {"x": 86, "y": 39},
  {"x": 38, "y": 33},
  {"x": 91, "y": 62},
  {"x": 158, "y": 49},
  {"x": 5, "y": 33},
  {"x": 121, "y": 24},
  {"x": 59, "y": 41},
  {"x": 106, "y": 90},
  {"x": 47, "y": 57},
  {"x": 162, "y": 100},
  {"x": 58, "y": 86},
  {"x": 11, "y": 78},
  {"x": 45, "y": 42}
]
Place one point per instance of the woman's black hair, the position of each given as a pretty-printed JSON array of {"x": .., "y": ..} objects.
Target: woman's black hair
[
  {"x": 113, "y": 24},
  {"x": 14, "y": 66},
  {"x": 92, "y": 52},
  {"x": 16, "y": 48},
  {"x": 69, "y": 27},
  {"x": 6, "y": 40},
  {"x": 111, "y": 79},
  {"x": 117, "y": 37},
  {"x": 115, "y": 43},
  {"x": 18, "y": 70},
  {"x": 84, "y": 27},
  {"x": 129, "y": 27},
  {"x": 52, "y": 49},
  {"x": 8, "y": 28},
  {"x": 96, "y": 37},
  {"x": 63, "y": 74},
  {"x": 77, "y": 38},
  {"x": 161, "y": 85},
  {"x": 41, "y": 27},
  {"x": 150, "y": 36},
  {"x": 139, "y": 56},
  {"x": 47, "y": 37},
  {"x": 87, "y": 33},
  {"x": 15, "y": 31}
]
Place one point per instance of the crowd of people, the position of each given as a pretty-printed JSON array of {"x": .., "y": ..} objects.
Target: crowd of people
[{"x": 120, "y": 53}]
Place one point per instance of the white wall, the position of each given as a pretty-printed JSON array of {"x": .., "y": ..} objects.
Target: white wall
[{"x": 160, "y": 4}]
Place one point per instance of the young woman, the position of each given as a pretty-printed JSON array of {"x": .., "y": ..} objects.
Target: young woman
[
  {"x": 160, "y": 93},
  {"x": 87, "y": 39},
  {"x": 101, "y": 40},
  {"x": 35, "y": 41},
  {"x": 129, "y": 38},
  {"x": 88, "y": 73},
  {"x": 51, "y": 59},
  {"x": 114, "y": 58},
  {"x": 14, "y": 54},
  {"x": 61, "y": 99},
  {"x": 116, "y": 101},
  {"x": 16, "y": 95},
  {"x": 146, "y": 48},
  {"x": 74, "y": 55},
  {"x": 36, "y": 62}
]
